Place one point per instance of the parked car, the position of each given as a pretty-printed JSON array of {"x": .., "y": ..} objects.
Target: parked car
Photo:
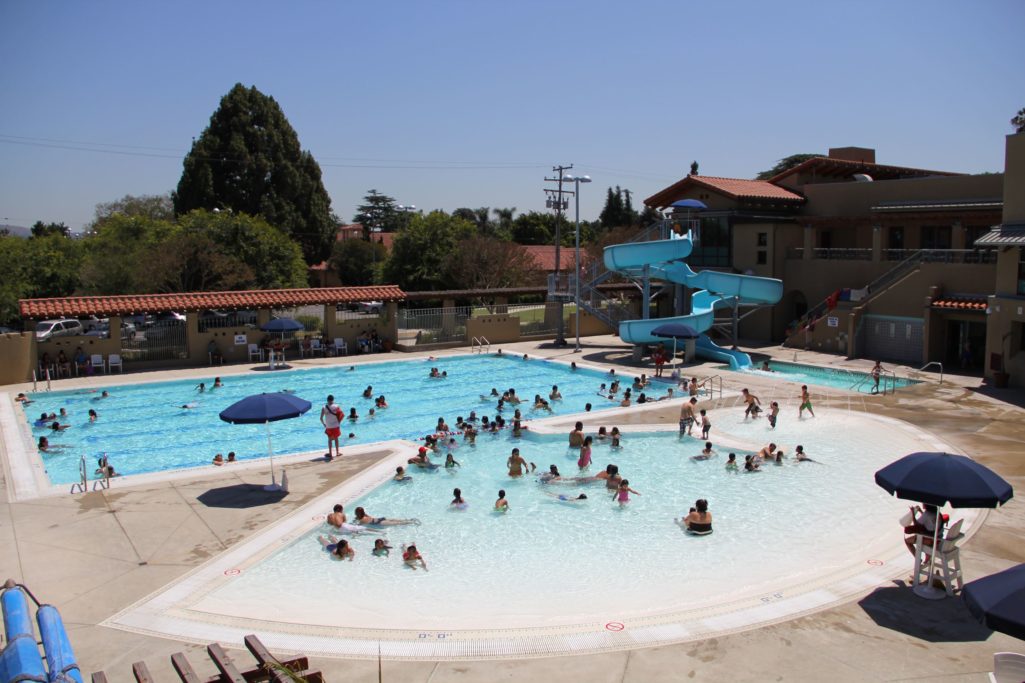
[
  {"x": 91, "y": 322},
  {"x": 47, "y": 329},
  {"x": 103, "y": 330},
  {"x": 166, "y": 325},
  {"x": 372, "y": 307}
]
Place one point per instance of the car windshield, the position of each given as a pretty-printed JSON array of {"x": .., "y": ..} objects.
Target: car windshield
[{"x": 43, "y": 327}]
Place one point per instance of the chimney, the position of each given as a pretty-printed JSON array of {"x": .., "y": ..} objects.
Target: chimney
[{"x": 860, "y": 154}]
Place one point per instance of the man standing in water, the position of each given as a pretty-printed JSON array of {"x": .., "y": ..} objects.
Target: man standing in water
[
  {"x": 687, "y": 416},
  {"x": 330, "y": 416},
  {"x": 576, "y": 437}
]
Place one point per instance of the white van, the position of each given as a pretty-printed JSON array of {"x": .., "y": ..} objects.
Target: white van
[{"x": 65, "y": 327}]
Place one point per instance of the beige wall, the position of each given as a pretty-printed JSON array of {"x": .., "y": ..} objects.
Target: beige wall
[
  {"x": 1014, "y": 179},
  {"x": 1007, "y": 271},
  {"x": 1003, "y": 337},
  {"x": 497, "y": 329},
  {"x": 856, "y": 199},
  {"x": 589, "y": 326},
  {"x": 18, "y": 351}
]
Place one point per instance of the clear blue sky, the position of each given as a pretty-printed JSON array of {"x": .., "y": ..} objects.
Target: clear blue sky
[{"x": 470, "y": 103}]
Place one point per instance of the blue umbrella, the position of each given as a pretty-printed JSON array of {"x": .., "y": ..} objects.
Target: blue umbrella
[
  {"x": 998, "y": 601},
  {"x": 940, "y": 479},
  {"x": 282, "y": 325},
  {"x": 689, "y": 204},
  {"x": 266, "y": 408}
]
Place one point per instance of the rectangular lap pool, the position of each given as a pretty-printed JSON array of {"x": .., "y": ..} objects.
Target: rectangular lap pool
[{"x": 143, "y": 427}]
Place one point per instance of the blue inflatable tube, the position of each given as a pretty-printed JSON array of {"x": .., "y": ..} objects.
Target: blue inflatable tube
[
  {"x": 20, "y": 659},
  {"x": 60, "y": 658}
]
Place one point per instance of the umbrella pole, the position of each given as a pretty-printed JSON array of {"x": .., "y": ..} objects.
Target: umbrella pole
[
  {"x": 928, "y": 591},
  {"x": 273, "y": 485}
]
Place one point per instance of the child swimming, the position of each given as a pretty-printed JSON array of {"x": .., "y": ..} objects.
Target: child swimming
[{"x": 622, "y": 494}]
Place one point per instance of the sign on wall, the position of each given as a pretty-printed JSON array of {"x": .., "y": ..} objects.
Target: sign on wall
[
  {"x": 833, "y": 321},
  {"x": 240, "y": 340}
]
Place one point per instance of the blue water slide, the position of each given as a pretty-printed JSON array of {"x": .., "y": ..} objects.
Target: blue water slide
[
  {"x": 60, "y": 658},
  {"x": 20, "y": 659},
  {"x": 663, "y": 260}
]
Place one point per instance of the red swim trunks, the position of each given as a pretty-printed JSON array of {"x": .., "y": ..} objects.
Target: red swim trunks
[{"x": 333, "y": 432}]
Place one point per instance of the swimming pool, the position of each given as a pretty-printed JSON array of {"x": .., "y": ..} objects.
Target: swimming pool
[
  {"x": 552, "y": 564},
  {"x": 143, "y": 428},
  {"x": 838, "y": 378}
]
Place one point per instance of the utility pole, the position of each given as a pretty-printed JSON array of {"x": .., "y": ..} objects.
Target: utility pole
[{"x": 556, "y": 201}]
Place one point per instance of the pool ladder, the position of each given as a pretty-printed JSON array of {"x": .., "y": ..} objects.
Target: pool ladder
[
  {"x": 480, "y": 345},
  {"x": 887, "y": 377},
  {"x": 711, "y": 382},
  {"x": 82, "y": 485}
]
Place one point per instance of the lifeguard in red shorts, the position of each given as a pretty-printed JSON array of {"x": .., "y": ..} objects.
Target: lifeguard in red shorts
[{"x": 330, "y": 417}]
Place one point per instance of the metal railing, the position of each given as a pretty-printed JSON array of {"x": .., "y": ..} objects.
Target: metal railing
[
  {"x": 886, "y": 378},
  {"x": 711, "y": 382},
  {"x": 931, "y": 363},
  {"x": 479, "y": 344},
  {"x": 970, "y": 256}
]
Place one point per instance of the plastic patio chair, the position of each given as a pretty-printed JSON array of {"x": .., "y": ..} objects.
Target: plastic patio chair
[
  {"x": 1008, "y": 667},
  {"x": 948, "y": 558},
  {"x": 340, "y": 346},
  {"x": 114, "y": 361},
  {"x": 97, "y": 360},
  {"x": 316, "y": 347},
  {"x": 255, "y": 350}
]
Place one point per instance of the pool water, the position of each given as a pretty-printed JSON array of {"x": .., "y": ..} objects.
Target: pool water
[
  {"x": 831, "y": 377},
  {"x": 547, "y": 562},
  {"x": 143, "y": 428}
]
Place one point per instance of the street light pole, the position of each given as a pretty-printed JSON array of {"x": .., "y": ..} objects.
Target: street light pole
[{"x": 576, "y": 180}]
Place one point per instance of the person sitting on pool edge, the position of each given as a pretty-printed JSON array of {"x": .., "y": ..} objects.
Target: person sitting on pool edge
[{"x": 699, "y": 520}]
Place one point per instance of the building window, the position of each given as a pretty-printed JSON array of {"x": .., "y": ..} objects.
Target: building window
[
  {"x": 972, "y": 233},
  {"x": 715, "y": 248},
  {"x": 762, "y": 257},
  {"x": 1021, "y": 271},
  {"x": 763, "y": 239},
  {"x": 936, "y": 237}
]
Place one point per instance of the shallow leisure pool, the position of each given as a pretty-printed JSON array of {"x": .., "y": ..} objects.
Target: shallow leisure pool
[
  {"x": 143, "y": 428},
  {"x": 837, "y": 378}
]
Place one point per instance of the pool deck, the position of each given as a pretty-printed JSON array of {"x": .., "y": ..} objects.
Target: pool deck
[{"x": 95, "y": 554}]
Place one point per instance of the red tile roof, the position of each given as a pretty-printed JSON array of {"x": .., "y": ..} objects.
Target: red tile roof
[
  {"x": 961, "y": 303},
  {"x": 736, "y": 188},
  {"x": 543, "y": 256},
  {"x": 75, "y": 306}
]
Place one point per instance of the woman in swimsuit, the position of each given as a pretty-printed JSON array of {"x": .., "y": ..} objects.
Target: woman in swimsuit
[
  {"x": 451, "y": 463},
  {"x": 584, "y": 461},
  {"x": 339, "y": 549},
  {"x": 363, "y": 518},
  {"x": 501, "y": 505},
  {"x": 457, "y": 500},
  {"x": 699, "y": 520},
  {"x": 516, "y": 463}
]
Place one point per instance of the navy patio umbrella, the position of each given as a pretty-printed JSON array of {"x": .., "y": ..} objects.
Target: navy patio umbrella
[
  {"x": 695, "y": 204},
  {"x": 998, "y": 601},
  {"x": 266, "y": 408},
  {"x": 282, "y": 325},
  {"x": 675, "y": 331},
  {"x": 943, "y": 479}
]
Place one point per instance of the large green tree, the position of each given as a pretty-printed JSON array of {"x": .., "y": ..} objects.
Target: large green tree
[
  {"x": 158, "y": 207},
  {"x": 535, "y": 227},
  {"x": 114, "y": 248},
  {"x": 421, "y": 251},
  {"x": 785, "y": 165},
  {"x": 491, "y": 263},
  {"x": 1018, "y": 121},
  {"x": 355, "y": 261},
  {"x": 193, "y": 262},
  {"x": 249, "y": 160},
  {"x": 379, "y": 213}
]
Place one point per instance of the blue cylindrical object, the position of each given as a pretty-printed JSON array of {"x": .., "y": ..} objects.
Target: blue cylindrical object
[
  {"x": 60, "y": 658},
  {"x": 20, "y": 660}
]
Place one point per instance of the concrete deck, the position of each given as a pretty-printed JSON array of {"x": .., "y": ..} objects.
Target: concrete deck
[{"x": 92, "y": 555}]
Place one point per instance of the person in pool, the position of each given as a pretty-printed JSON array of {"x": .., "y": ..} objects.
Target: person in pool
[
  {"x": 731, "y": 463},
  {"x": 400, "y": 474},
  {"x": 565, "y": 498},
  {"x": 421, "y": 460},
  {"x": 368, "y": 392},
  {"x": 805, "y": 403},
  {"x": 622, "y": 494},
  {"x": 339, "y": 549},
  {"x": 699, "y": 520},
  {"x": 93, "y": 415},
  {"x": 516, "y": 464},
  {"x": 555, "y": 395},
  {"x": 551, "y": 475},
  {"x": 750, "y": 465},
  {"x": 457, "y": 500},
  {"x": 801, "y": 456},
  {"x": 451, "y": 463},
  {"x": 363, "y": 518},
  {"x": 584, "y": 461},
  {"x": 501, "y": 505},
  {"x": 412, "y": 557},
  {"x": 706, "y": 453},
  {"x": 381, "y": 548}
]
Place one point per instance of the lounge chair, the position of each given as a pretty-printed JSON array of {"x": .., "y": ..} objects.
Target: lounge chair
[{"x": 1008, "y": 667}]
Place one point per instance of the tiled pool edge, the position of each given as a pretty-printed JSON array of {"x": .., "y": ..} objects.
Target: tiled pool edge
[{"x": 163, "y": 613}]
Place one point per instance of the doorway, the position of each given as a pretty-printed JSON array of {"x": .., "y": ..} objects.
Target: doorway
[{"x": 965, "y": 346}]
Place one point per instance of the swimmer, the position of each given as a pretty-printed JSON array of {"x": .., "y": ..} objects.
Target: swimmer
[
  {"x": 93, "y": 415},
  {"x": 218, "y": 460},
  {"x": 353, "y": 415},
  {"x": 731, "y": 463},
  {"x": 45, "y": 446},
  {"x": 551, "y": 475},
  {"x": 231, "y": 456},
  {"x": 368, "y": 392},
  {"x": 668, "y": 397},
  {"x": 421, "y": 459},
  {"x": 773, "y": 414},
  {"x": 411, "y": 556},
  {"x": 765, "y": 367},
  {"x": 63, "y": 413},
  {"x": 602, "y": 391},
  {"x": 23, "y": 399},
  {"x": 699, "y": 521},
  {"x": 615, "y": 442},
  {"x": 501, "y": 505},
  {"x": 58, "y": 427},
  {"x": 451, "y": 463},
  {"x": 217, "y": 383},
  {"x": 363, "y": 518},
  {"x": 706, "y": 424},
  {"x": 102, "y": 395},
  {"x": 371, "y": 413},
  {"x": 339, "y": 549},
  {"x": 584, "y": 461},
  {"x": 516, "y": 463},
  {"x": 573, "y": 365},
  {"x": 766, "y": 453},
  {"x": 381, "y": 402},
  {"x": 526, "y": 357},
  {"x": 587, "y": 407},
  {"x": 555, "y": 395},
  {"x": 288, "y": 391},
  {"x": 400, "y": 474},
  {"x": 517, "y": 429},
  {"x": 336, "y": 517},
  {"x": 779, "y": 457},
  {"x": 381, "y": 548},
  {"x": 457, "y": 500},
  {"x": 706, "y": 453},
  {"x": 611, "y": 476},
  {"x": 576, "y": 437},
  {"x": 801, "y": 455},
  {"x": 622, "y": 494},
  {"x": 442, "y": 426},
  {"x": 201, "y": 387},
  {"x": 750, "y": 465},
  {"x": 562, "y": 497},
  {"x": 189, "y": 406}
]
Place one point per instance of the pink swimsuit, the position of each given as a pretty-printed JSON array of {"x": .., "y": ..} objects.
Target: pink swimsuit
[
  {"x": 585, "y": 457},
  {"x": 624, "y": 496}
]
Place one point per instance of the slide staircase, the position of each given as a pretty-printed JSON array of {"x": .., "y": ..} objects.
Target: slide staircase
[{"x": 663, "y": 260}]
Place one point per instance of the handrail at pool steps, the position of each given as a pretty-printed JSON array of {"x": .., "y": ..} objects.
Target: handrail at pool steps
[
  {"x": 711, "y": 386},
  {"x": 478, "y": 344},
  {"x": 20, "y": 659},
  {"x": 931, "y": 363}
]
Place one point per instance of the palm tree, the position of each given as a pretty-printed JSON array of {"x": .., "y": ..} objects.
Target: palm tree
[{"x": 505, "y": 220}]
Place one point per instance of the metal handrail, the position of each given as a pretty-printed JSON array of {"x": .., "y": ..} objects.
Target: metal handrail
[
  {"x": 478, "y": 343},
  {"x": 711, "y": 386},
  {"x": 83, "y": 483},
  {"x": 934, "y": 362}
]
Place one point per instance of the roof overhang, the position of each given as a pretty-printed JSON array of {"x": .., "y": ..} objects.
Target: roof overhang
[
  {"x": 1006, "y": 235},
  {"x": 994, "y": 204}
]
